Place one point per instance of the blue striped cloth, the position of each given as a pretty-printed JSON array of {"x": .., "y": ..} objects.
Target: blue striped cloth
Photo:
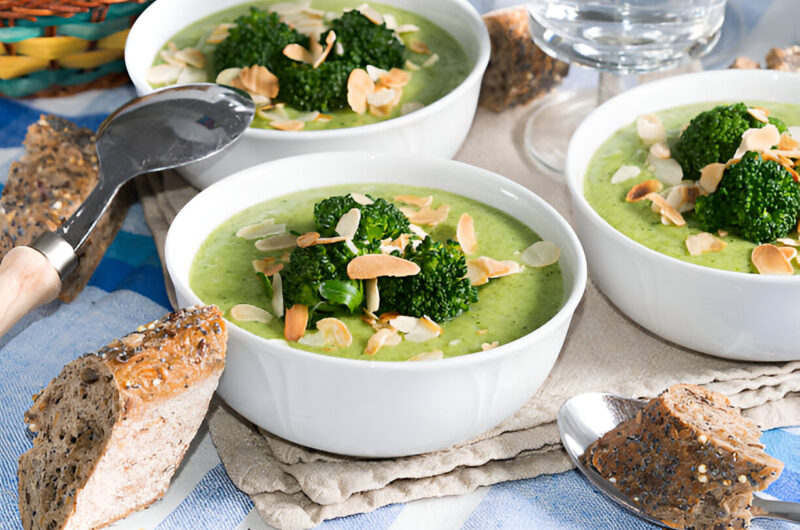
[{"x": 128, "y": 289}]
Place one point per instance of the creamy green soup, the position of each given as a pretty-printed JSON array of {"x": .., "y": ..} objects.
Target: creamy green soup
[
  {"x": 508, "y": 307},
  {"x": 427, "y": 84},
  {"x": 637, "y": 220}
]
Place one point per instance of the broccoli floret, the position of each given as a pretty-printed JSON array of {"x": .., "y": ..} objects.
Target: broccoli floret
[
  {"x": 305, "y": 88},
  {"x": 379, "y": 220},
  {"x": 713, "y": 136},
  {"x": 756, "y": 199},
  {"x": 257, "y": 38},
  {"x": 316, "y": 277},
  {"x": 367, "y": 43},
  {"x": 440, "y": 290}
]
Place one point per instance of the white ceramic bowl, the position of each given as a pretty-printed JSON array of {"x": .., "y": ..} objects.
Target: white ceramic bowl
[
  {"x": 438, "y": 129},
  {"x": 727, "y": 314},
  {"x": 373, "y": 408}
]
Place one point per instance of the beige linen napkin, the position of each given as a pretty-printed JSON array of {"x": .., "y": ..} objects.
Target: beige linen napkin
[{"x": 295, "y": 487}]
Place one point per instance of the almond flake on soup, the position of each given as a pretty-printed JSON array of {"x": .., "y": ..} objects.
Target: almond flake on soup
[
  {"x": 249, "y": 313},
  {"x": 262, "y": 229},
  {"x": 703, "y": 242},
  {"x": 541, "y": 254},
  {"x": 667, "y": 212},
  {"x": 295, "y": 322},
  {"x": 359, "y": 86},
  {"x": 768, "y": 259},
  {"x": 426, "y": 329},
  {"x": 465, "y": 234},
  {"x": 624, "y": 173},
  {"x": 378, "y": 265},
  {"x": 640, "y": 191},
  {"x": 414, "y": 200},
  {"x": 287, "y": 125},
  {"x": 433, "y": 355},
  {"x": 427, "y": 215},
  {"x": 378, "y": 339},
  {"x": 650, "y": 129}
]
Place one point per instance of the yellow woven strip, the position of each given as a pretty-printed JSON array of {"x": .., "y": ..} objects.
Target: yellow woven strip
[
  {"x": 115, "y": 41},
  {"x": 90, "y": 59},
  {"x": 15, "y": 66},
  {"x": 51, "y": 47}
]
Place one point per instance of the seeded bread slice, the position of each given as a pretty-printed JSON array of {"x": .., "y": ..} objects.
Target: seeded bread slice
[
  {"x": 689, "y": 459},
  {"x": 45, "y": 187},
  {"x": 114, "y": 425}
]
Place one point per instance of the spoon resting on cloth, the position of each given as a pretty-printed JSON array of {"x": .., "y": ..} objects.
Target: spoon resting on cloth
[
  {"x": 584, "y": 418},
  {"x": 162, "y": 130}
]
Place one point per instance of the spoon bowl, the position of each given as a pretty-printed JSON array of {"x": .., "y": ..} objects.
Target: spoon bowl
[{"x": 584, "y": 418}]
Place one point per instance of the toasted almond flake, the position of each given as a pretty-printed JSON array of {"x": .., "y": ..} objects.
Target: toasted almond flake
[
  {"x": 789, "y": 242},
  {"x": 316, "y": 339},
  {"x": 276, "y": 242},
  {"x": 377, "y": 265},
  {"x": 683, "y": 196},
  {"x": 489, "y": 345},
  {"x": 307, "y": 239},
  {"x": 257, "y": 80},
  {"x": 249, "y": 313},
  {"x": 336, "y": 333},
  {"x": 787, "y": 143},
  {"x": 329, "y": 40},
  {"x": 477, "y": 273},
  {"x": 427, "y": 216},
  {"x": 710, "y": 176},
  {"x": 759, "y": 140},
  {"x": 641, "y": 190},
  {"x": 789, "y": 252},
  {"x": 425, "y": 329},
  {"x": 390, "y": 21},
  {"x": 411, "y": 65},
  {"x": 169, "y": 58},
  {"x": 267, "y": 227},
  {"x": 298, "y": 53},
  {"x": 703, "y": 242},
  {"x": 227, "y": 76},
  {"x": 496, "y": 268},
  {"x": 670, "y": 213},
  {"x": 162, "y": 74},
  {"x": 373, "y": 16},
  {"x": 277, "y": 295},
  {"x": 324, "y": 117},
  {"x": 759, "y": 114},
  {"x": 768, "y": 259},
  {"x": 372, "y": 295},
  {"x": 382, "y": 111},
  {"x": 274, "y": 113},
  {"x": 418, "y": 231},
  {"x": 433, "y": 355},
  {"x": 308, "y": 116},
  {"x": 375, "y": 73},
  {"x": 387, "y": 316},
  {"x": 220, "y": 33},
  {"x": 192, "y": 75},
  {"x": 351, "y": 246},
  {"x": 407, "y": 28},
  {"x": 624, "y": 173},
  {"x": 541, "y": 254},
  {"x": 288, "y": 8},
  {"x": 329, "y": 240},
  {"x": 191, "y": 56},
  {"x": 403, "y": 323},
  {"x": 660, "y": 150},
  {"x": 348, "y": 223},
  {"x": 361, "y": 199},
  {"x": 295, "y": 323},
  {"x": 414, "y": 200},
  {"x": 411, "y": 106},
  {"x": 272, "y": 270},
  {"x": 378, "y": 339},
  {"x": 395, "y": 78},
  {"x": 430, "y": 61},
  {"x": 418, "y": 46},
  {"x": 465, "y": 234},
  {"x": 722, "y": 233},
  {"x": 261, "y": 265},
  {"x": 650, "y": 129},
  {"x": 381, "y": 97},
  {"x": 359, "y": 86},
  {"x": 316, "y": 13},
  {"x": 287, "y": 125},
  {"x": 667, "y": 170}
]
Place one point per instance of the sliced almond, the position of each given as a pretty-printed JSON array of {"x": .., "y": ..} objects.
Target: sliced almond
[
  {"x": 307, "y": 239},
  {"x": 295, "y": 323},
  {"x": 390, "y": 21},
  {"x": 372, "y": 295},
  {"x": 496, "y": 268},
  {"x": 489, "y": 345},
  {"x": 430, "y": 61},
  {"x": 191, "y": 56},
  {"x": 378, "y": 339},
  {"x": 759, "y": 140},
  {"x": 382, "y": 111},
  {"x": 722, "y": 233},
  {"x": 465, "y": 234},
  {"x": 381, "y": 97},
  {"x": 361, "y": 199},
  {"x": 417, "y": 231},
  {"x": 433, "y": 355},
  {"x": 265, "y": 228},
  {"x": 287, "y": 125},
  {"x": 267, "y": 269},
  {"x": 759, "y": 114},
  {"x": 308, "y": 116},
  {"x": 375, "y": 73},
  {"x": 787, "y": 143},
  {"x": 667, "y": 211},
  {"x": 249, "y": 313},
  {"x": 541, "y": 254},
  {"x": 163, "y": 74},
  {"x": 336, "y": 333},
  {"x": 298, "y": 53},
  {"x": 220, "y": 33},
  {"x": 257, "y": 79},
  {"x": 378, "y": 265},
  {"x": 683, "y": 196},
  {"x": 417, "y": 46},
  {"x": 414, "y": 200},
  {"x": 276, "y": 242},
  {"x": 359, "y": 86},
  {"x": 641, "y": 190},
  {"x": 703, "y": 242},
  {"x": 412, "y": 66},
  {"x": 288, "y": 8},
  {"x": 425, "y": 330},
  {"x": 329, "y": 40},
  {"x": 261, "y": 265},
  {"x": 348, "y": 223},
  {"x": 789, "y": 252},
  {"x": 710, "y": 176},
  {"x": 373, "y": 16},
  {"x": 660, "y": 150},
  {"x": 191, "y": 74},
  {"x": 329, "y": 240},
  {"x": 667, "y": 170},
  {"x": 407, "y": 28},
  {"x": 277, "y": 295},
  {"x": 403, "y": 323},
  {"x": 477, "y": 273},
  {"x": 768, "y": 259},
  {"x": 789, "y": 242},
  {"x": 395, "y": 78},
  {"x": 426, "y": 215},
  {"x": 650, "y": 129},
  {"x": 351, "y": 246},
  {"x": 625, "y": 173},
  {"x": 274, "y": 113},
  {"x": 169, "y": 58}
]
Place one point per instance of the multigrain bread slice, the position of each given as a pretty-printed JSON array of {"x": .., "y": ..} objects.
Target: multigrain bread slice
[
  {"x": 113, "y": 427},
  {"x": 689, "y": 459},
  {"x": 44, "y": 188}
]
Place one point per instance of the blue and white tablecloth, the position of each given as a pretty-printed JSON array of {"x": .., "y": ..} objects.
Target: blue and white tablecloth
[{"x": 128, "y": 289}]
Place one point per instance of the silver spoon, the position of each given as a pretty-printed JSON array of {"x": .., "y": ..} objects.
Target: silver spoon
[
  {"x": 584, "y": 418},
  {"x": 168, "y": 128}
]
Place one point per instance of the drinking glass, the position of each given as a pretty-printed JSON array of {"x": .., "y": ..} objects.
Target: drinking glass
[{"x": 616, "y": 37}]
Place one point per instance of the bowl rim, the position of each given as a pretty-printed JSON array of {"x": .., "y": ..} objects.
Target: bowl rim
[
  {"x": 575, "y": 175},
  {"x": 564, "y": 313},
  {"x": 479, "y": 32}
]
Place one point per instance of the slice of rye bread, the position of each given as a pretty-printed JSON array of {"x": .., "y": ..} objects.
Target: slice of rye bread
[
  {"x": 45, "y": 187},
  {"x": 689, "y": 459},
  {"x": 518, "y": 70},
  {"x": 114, "y": 425}
]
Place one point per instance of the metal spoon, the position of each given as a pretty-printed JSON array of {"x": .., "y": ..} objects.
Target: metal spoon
[
  {"x": 162, "y": 130},
  {"x": 584, "y": 418}
]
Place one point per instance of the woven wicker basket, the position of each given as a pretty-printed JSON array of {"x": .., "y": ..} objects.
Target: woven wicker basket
[{"x": 58, "y": 47}]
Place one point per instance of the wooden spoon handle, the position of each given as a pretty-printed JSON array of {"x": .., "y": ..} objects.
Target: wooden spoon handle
[{"x": 27, "y": 280}]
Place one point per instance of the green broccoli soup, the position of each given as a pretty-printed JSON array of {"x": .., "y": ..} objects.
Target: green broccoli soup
[
  {"x": 377, "y": 272},
  {"x": 712, "y": 184},
  {"x": 325, "y": 64}
]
